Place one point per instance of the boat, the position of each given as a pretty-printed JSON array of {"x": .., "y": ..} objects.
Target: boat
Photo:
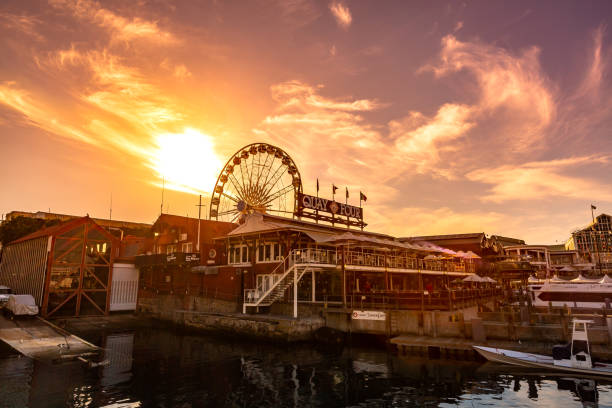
[
  {"x": 578, "y": 293},
  {"x": 574, "y": 357}
]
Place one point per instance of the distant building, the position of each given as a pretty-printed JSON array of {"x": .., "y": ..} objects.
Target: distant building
[
  {"x": 124, "y": 227},
  {"x": 594, "y": 242}
]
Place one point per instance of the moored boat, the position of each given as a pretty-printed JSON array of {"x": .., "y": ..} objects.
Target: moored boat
[{"x": 574, "y": 357}]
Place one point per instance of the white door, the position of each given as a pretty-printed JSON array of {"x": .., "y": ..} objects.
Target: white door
[{"x": 124, "y": 287}]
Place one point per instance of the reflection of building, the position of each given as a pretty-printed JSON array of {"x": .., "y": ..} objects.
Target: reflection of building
[
  {"x": 67, "y": 267},
  {"x": 595, "y": 242}
]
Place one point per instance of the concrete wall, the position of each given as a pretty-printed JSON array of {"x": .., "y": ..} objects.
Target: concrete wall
[{"x": 164, "y": 306}]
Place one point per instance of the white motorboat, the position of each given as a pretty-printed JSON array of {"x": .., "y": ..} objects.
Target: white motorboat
[
  {"x": 574, "y": 357},
  {"x": 577, "y": 293}
]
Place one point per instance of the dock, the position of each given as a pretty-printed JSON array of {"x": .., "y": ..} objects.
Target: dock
[
  {"x": 41, "y": 340},
  {"x": 453, "y": 347}
]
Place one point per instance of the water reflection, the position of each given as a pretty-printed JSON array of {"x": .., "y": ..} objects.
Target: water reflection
[{"x": 160, "y": 367}]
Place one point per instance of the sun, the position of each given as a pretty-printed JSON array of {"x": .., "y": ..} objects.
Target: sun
[{"x": 186, "y": 161}]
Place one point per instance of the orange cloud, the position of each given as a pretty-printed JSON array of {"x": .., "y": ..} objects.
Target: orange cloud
[
  {"x": 513, "y": 83},
  {"x": 420, "y": 139},
  {"x": 342, "y": 14},
  {"x": 121, "y": 28},
  {"x": 542, "y": 179}
]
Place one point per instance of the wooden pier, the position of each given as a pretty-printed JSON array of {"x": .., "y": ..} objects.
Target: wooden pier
[{"x": 41, "y": 340}]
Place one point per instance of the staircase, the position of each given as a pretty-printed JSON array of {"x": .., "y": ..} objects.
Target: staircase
[{"x": 283, "y": 277}]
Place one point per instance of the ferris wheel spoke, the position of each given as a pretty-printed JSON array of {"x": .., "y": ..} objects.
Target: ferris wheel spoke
[
  {"x": 230, "y": 197},
  {"x": 267, "y": 178},
  {"x": 276, "y": 179},
  {"x": 236, "y": 184},
  {"x": 265, "y": 165},
  {"x": 234, "y": 211},
  {"x": 278, "y": 194},
  {"x": 235, "y": 217}
]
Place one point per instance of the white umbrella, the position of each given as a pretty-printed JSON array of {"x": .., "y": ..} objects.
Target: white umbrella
[
  {"x": 581, "y": 279},
  {"x": 533, "y": 279},
  {"x": 473, "y": 278},
  {"x": 490, "y": 280},
  {"x": 605, "y": 279},
  {"x": 471, "y": 255}
]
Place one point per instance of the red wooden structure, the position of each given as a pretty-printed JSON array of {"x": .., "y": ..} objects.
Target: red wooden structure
[{"x": 67, "y": 268}]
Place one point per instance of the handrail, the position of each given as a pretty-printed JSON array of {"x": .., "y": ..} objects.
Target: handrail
[{"x": 260, "y": 292}]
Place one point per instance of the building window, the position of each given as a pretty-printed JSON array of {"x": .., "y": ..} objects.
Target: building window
[
  {"x": 238, "y": 254},
  {"x": 187, "y": 247},
  {"x": 270, "y": 252},
  {"x": 170, "y": 249}
]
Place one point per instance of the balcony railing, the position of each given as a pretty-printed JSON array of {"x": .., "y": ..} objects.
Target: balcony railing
[{"x": 355, "y": 258}]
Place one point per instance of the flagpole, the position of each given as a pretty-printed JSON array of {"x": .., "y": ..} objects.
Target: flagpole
[
  {"x": 317, "y": 211},
  {"x": 348, "y": 224}
]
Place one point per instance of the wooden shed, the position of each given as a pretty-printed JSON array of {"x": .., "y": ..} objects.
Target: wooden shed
[{"x": 66, "y": 267}]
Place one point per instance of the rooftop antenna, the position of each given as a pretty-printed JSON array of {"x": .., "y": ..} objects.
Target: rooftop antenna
[
  {"x": 199, "y": 217},
  {"x": 161, "y": 207},
  {"x": 110, "y": 211}
]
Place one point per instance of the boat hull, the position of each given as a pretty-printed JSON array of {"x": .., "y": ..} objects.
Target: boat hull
[{"x": 537, "y": 361}]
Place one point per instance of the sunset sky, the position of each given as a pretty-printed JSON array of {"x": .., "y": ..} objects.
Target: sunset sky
[{"x": 452, "y": 117}]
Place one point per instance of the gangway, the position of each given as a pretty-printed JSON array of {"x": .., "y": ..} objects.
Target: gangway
[{"x": 41, "y": 340}]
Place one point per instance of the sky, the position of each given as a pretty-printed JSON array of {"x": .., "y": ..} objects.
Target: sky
[{"x": 452, "y": 117}]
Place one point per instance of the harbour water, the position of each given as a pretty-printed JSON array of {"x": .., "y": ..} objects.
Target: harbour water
[{"x": 160, "y": 367}]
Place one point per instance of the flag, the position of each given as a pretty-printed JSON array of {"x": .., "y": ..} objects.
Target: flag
[
  {"x": 334, "y": 188},
  {"x": 347, "y": 195},
  {"x": 317, "y": 185},
  {"x": 593, "y": 207},
  {"x": 362, "y": 197}
]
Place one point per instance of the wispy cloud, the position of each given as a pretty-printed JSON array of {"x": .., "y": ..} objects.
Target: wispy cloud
[
  {"x": 542, "y": 180},
  {"x": 296, "y": 93},
  {"x": 26, "y": 24},
  {"x": 121, "y": 28},
  {"x": 421, "y": 139},
  {"x": 342, "y": 14}
]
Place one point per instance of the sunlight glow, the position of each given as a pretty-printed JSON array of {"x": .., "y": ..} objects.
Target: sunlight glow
[{"x": 187, "y": 161}]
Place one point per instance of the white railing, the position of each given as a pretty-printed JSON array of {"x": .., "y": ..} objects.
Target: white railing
[
  {"x": 314, "y": 256},
  {"x": 253, "y": 295}
]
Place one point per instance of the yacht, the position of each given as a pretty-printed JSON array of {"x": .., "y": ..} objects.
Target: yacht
[{"x": 578, "y": 293}]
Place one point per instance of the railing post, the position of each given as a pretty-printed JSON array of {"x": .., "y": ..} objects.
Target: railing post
[{"x": 295, "y": 290}]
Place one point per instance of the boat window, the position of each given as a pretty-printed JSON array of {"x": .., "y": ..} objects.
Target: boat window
[{"x": 580, "y": 346}]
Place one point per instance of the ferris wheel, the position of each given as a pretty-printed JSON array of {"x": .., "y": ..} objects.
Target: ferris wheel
[{"x": 259, "y": 177}]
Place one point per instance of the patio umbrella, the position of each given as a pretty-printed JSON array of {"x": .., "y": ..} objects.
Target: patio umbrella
[
  {"x": 473, "y": 278},
  {"x": 605, "y": 279}
]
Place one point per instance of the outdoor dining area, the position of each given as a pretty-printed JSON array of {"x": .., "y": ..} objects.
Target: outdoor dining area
[{"x": 424, "y": 291}]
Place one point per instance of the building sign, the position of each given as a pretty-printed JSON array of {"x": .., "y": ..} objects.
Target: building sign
[
  {"x": 322, "y": 209},
  {"x": 368, "y": 315}
]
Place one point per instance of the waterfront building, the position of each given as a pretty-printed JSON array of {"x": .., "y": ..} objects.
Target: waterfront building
[
  {"x": 67, "y": 268},
  {"x": 594, "y": 242},
  {"x": 332, "y": 265}
]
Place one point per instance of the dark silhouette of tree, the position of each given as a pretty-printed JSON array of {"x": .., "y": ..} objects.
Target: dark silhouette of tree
[{"x": 19, "y": 227}]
